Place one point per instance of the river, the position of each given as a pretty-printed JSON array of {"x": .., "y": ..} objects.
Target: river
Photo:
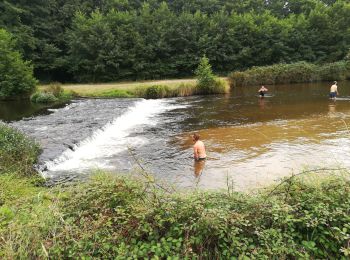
[{"x": 251, "y": 142}]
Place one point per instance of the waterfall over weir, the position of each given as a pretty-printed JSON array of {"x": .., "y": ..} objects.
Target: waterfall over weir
[{"x": 113, "y": 138}]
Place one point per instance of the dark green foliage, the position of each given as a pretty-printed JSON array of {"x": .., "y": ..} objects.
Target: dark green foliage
[
  {"x": 290, "y": 73},
  {"x": 17, "y": 152},
  {"x": 108, "y": 40},
  {"x": 16, "y": 75}
]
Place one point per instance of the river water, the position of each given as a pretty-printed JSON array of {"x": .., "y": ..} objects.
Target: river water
[{"x": 251, "y": 142}]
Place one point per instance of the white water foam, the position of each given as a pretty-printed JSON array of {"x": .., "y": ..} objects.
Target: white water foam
[{"x": 112, "y": 139}]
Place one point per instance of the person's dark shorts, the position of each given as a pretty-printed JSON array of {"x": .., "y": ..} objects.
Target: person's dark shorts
[
  {"x": 332, "y": 94},
  {"x": 261, "y": 93}
]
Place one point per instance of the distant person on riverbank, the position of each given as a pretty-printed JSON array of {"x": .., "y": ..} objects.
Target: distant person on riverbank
[
  {"x": 262, "y": 91},
  {"x": 199, "y": 153},
  {"x": 334, "y": 91}
]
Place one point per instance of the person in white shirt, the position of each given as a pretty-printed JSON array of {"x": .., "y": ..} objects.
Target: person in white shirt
[{"x": 334, "y": 91}]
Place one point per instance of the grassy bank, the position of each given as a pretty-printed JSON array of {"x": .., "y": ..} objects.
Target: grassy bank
[
  {"x": 301, "y": 72},
  {"x": 161, "y": 89},
  {"x": 115, "y": 217}
]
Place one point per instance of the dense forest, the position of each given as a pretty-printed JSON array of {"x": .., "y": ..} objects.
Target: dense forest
[{"x": 109, "y": 40}]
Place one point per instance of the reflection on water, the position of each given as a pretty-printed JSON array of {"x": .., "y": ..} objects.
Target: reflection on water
[
  {"x": 18, "y": 109},
  {"x": 250, "y": 141},
  {"x": 198, "y": 167}
]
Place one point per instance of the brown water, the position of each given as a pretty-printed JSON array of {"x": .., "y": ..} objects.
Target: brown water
[
  {"x": 254, "y": 141},
  {"x": 250, "y": 141}
]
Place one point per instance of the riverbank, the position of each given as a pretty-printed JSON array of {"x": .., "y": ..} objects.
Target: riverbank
[
  {"x": 169, "y": 88},
  {"x": 300, "y": 72},
  {"x": 305, "y": 216}
]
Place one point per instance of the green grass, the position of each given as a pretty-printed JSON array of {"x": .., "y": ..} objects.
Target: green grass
[
  {"x": 178, "y": 87},
  {"x": 17, "y": 152},
  {"x": 113, "y": 93}
]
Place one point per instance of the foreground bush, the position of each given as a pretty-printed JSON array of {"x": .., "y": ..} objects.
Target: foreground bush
[
  {"x": 16, "y": 75},
  {"x": 113, "y": 217},
  {"x": 301, "y": 72},
  {"x": 17, "y": 152}
]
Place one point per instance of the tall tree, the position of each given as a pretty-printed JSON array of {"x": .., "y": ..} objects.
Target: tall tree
[{"x": 16, "y": 78}]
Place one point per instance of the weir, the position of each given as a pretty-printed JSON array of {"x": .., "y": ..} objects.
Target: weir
[{"x": 110, "y": 140}]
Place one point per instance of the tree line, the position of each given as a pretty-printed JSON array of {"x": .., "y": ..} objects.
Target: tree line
[{"x": 109, "y": 40}]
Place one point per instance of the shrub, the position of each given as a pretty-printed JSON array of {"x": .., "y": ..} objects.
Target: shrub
[
  {"x": 52, "y": 93},
  {"x": 68, "y": 95},
  {"x": 207, "y": 82},
  {"x": 205, "y": 77},
  {"x": 17, "y": 152},
  {"x": 55, "y": 89},
  {"x": 299, "y": 72},
  {"x": 184, "y": 90},
  {"x": 43, "y": 97},
  {"x": 113, "y": 216},
  {"x": 220, "y": 87},
  {"x": 238, "y": 79},
  {"x": 17, "y": 80},
  {"x": 157, "y": 91},
  {"x": 334, "y": 71},
  {"x": 140, "y": 91}
]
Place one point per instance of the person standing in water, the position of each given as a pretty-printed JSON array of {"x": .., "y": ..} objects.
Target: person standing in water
[
  {"x": 333, "y": 91},
  {"x": 262, "y": 91},
  {"x": 199, "y": 153}
]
